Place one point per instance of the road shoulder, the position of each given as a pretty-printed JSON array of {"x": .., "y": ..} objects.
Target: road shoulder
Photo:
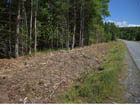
[{"x": 132, "y": 81}]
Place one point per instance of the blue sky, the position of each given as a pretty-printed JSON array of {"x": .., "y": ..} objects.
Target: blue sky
[{"x": 124, "y": 12}]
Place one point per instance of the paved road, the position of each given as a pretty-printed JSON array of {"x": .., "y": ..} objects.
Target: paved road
[
  {"x": 134, "y": 49},
  {"x": 132, "y": 82}
]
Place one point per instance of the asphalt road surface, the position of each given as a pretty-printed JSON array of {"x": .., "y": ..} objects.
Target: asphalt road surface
[
  {"x": 132, "y": 81},
  {"x": 134, "y": 49}
]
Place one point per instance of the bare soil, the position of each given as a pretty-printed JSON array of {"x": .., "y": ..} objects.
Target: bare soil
[{"x": 37, "y": 79}]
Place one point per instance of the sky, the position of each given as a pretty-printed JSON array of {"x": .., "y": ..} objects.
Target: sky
[{"x": 124, "y": 13}]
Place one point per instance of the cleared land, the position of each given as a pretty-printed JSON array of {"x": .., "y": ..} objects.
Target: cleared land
[{"x": 37, "y": 79}]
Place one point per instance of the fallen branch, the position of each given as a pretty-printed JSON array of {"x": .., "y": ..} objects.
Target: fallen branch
[{"x": 55, "y": 89}]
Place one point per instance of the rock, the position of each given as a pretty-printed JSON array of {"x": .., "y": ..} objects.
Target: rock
[{"x": 21, "y": 100}]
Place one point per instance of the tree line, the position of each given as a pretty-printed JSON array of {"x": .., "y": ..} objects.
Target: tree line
[
  {"x": 130, "y": 33},
  {"x": 27, "y": 26}
]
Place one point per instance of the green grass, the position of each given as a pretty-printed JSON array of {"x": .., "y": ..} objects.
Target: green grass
[
  {"x": 47, "y": 50},
  {"x": 100, "y": 86}
]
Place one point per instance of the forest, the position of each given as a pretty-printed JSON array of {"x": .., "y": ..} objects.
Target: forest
[
  {"x": 29, "y": 26},
  {"x": 130, "y": 33}
]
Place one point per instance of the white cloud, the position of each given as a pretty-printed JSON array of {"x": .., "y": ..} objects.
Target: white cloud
[
  {"x": 133, "y": 25},
  {"x": 121, "y": 24},
  {"x": 124, "y": 24}
]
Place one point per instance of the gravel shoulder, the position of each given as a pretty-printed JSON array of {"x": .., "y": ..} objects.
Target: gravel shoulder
[{"x": 132, "y": 81}]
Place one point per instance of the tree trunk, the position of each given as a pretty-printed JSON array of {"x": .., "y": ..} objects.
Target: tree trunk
[
  {"x": 35, "y": 45},
  {"x": 52, "y": 42},
  {"x": 81, "y": 25},
  {"x": 10, "y": 47},
  {"x": 62, "y": 39},
  {"x": 68, "y": 32},
  {"x": 81, "y": 42},
  {"x": 74, "y": 28},
  {"x": 31, "y": 22},
  {"x": 57, "y": 40},
  {"x": 83, "y": 19},
  {"x": 23, "y": 28},
  {"x": 88, "y": 37},
  {"x": 17, "y": 32},
  {"x": 26, "y": 27}
]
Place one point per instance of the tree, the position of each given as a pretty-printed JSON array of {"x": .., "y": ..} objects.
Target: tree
[
  {"x": 74, "y": 24},
  {"x": 43, "y": 24},
  {"x": 31, "y": 28},
  {"x": 130, "y": 33},
  {"x": 36, "y": 9},
  {"x": 17, "y": 32}
]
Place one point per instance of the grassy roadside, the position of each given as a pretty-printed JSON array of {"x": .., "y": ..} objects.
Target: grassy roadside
[{"x": 100, "y": 86}]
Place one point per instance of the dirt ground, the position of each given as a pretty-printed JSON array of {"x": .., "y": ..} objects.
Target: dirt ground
[{"x": 37, "y": 79}]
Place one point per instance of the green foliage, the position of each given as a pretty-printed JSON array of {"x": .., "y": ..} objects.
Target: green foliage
[
  {"x": 56, "y": 20},
  {"x": 111, "y": 32},
  {"x": 105, "y": 32},
  {"x": 130, "y": 33},
  {"x": 100, "y": 86}
]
